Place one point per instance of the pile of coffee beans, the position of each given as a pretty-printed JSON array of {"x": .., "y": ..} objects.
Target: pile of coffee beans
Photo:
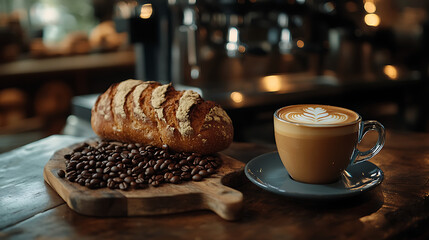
[{"x": 125, "y": 166}]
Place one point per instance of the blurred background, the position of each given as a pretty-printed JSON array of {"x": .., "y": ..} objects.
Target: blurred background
[{"x": 250, "y": 56}]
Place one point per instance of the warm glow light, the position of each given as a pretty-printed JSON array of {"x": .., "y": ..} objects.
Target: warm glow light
[
  {"x": 369, "y": 7},
  {"x": 271, "y": 83},
  {"x": 146, "y": 11},
  {"x": 237, "y": 97},
  {"x": 300, "y": 43},
  {"x": 233, "y": 35},
  {"x": 372, "y": 20},
  {"x": 391, "y": 71},
  {"x": 241, "y": 48}
]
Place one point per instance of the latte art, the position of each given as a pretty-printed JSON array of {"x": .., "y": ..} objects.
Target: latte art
[{"x": 316, "y": 114}]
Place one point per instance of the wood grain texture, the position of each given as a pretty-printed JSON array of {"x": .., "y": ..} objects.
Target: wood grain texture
[
  {"x": 23, "y": 193},
  {"x": 211, "y": 193}
]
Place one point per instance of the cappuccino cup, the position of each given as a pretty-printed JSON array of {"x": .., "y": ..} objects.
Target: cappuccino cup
[{"x": 316, "y": 143}]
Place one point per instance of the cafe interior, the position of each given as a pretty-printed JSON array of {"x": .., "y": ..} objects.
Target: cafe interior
[{"x": 249, "y": 56}]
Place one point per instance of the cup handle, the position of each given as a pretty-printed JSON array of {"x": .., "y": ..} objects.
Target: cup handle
[{"x": 367, "y": 126}]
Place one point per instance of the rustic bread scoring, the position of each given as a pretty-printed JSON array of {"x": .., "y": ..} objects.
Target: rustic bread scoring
[{"x": 154, "y": 114}]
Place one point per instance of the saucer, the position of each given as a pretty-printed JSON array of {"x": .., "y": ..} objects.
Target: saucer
[{"x": 267, "y": 171}]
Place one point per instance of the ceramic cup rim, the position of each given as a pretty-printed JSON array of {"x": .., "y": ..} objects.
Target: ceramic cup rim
[{"x": 358, "y": 119}]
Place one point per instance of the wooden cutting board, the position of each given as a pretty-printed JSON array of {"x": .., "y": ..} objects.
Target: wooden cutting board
[{"x": 211, "y": 193}]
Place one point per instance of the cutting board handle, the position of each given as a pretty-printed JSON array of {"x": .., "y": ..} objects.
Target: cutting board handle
[{"x": 223, "y": 200}]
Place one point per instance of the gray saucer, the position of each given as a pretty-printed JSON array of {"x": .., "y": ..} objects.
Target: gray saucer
[{"x": 268, "y": 172}]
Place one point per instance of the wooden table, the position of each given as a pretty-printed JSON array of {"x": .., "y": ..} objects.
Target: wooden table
[{"x": 398, "y": 208}]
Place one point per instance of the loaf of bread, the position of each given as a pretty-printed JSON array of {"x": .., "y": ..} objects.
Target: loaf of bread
[{"x": 154, "y": 114}]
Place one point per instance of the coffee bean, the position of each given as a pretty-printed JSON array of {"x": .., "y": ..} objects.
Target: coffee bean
[
  {"x": 124, "y": 155},
  {"x": 160, "y": 161},
  {"x": 149, "y": 171},
  {"x": 137, "y": 170},
  {"x": 195, "y": 171},
  {"x": 140, "y": 180},
  {"x": 71, "y": 178},
  {"x": 203, "y": 173},
  {"x": 168, "y": 175},
  {"x": 118, "y": 180},
  {"x": 91, "y": 163},
  {"x": 196, "y": 161},
  {"x": 97, "y": 175},
  {"x": 72, "y": 164},
  {"x": 85, "y": 174},
  {"x": 123, "y": 185},
  {"x": 71, "y": 173},
  {"x": 152, "y": 163},
  {"x": 175, "y": 179},
  {"x": 197, "y": 177},
  {"x": 81, "y": 181},
  {"x": 171, "y": 166},
  {"x": 185, "y": 176},
  {"x": 159, "y": 178},
  {"x": 77, "y": 153},
  {"x": 80, "y": 165},
  {"x": 61, "y": 173},
  {"x": 185, "y": 168},
  {"x": 110, "y": 164},
  {"x": 163, "y": 166},
  {"x": 105, "y": 177},
  {"x": 94, "y": 183},
  {"x": 155, "y": 183},
  {"x": 128, "y": 179},
  {"x": 157, "y": 166},
  {"x": 106, "y": 170},
  {"x": 126, "y": 161},
  {"x": 120, "y": 166}
]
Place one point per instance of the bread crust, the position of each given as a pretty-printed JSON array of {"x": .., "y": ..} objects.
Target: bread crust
[{"x": 154, "y": 114}]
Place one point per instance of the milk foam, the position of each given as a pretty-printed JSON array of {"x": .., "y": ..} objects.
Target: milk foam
[{"x": 317, "y": 114}]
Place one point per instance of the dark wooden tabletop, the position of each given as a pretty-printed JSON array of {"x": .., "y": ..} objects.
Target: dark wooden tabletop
[{"x": 397, "y": 209}]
